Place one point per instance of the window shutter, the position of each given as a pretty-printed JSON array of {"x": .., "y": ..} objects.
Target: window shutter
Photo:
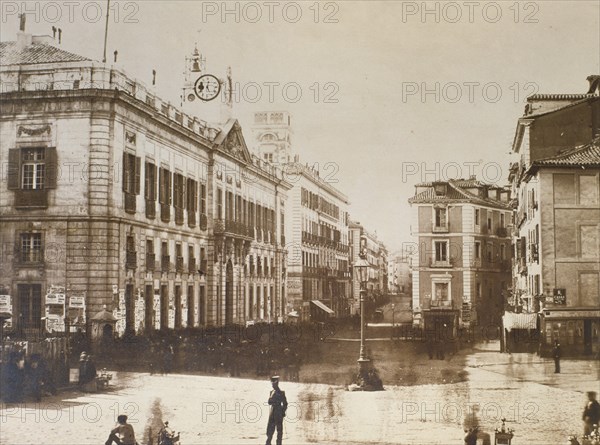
[
  {"x": 183, "y": 192},
  {"x": 125, "y": 171},
  {"x": 169, "y": 186},
  {"x": 51, "y": 173},
  {"x": 161, "y": 185},
  {"x": 14, "y": 169},
  {"x": 138, "y": 171},
  {"x": 147, "y": 181}
]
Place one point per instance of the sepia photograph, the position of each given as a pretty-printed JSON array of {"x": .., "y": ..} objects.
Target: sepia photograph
[{"x": 348, "y": 222}]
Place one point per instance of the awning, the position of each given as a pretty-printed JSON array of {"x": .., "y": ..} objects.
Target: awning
[
  {"x": 322, "y": 306},
  {"x": 511, "y": 321}
]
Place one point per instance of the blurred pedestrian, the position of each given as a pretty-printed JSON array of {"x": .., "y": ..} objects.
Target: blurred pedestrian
[
  {"x": 13, "y": 378},
  {"x": 34, "y": 378},
  {"x": 278, "y": 403},
  {"x": 87, "y": 373},
  {"x": 591, "y": 414},
  {"x": 556, "y": 355},
  {"x": 122, "y": 434}
]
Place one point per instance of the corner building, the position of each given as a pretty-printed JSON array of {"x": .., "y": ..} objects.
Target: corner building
[{"x": 115, "y": 195}]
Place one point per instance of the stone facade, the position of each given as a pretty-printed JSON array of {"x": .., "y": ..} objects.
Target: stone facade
[
  {"x": 112, "y": 193},
  {"x": 463, "y": 268},
  {"x": 557, "y": 220}
]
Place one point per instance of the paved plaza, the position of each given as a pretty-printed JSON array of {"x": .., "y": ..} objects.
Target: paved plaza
[{"x": 542, "y": 407}]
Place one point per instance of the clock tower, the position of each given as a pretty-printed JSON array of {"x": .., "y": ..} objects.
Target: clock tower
[{"x": 206, "y": 94}]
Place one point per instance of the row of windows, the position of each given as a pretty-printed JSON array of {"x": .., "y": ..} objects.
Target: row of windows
[
  {"x": 316, "y": 202},
  {"x": 185, "y": 193},
  {"x": 442, "y": 251}
]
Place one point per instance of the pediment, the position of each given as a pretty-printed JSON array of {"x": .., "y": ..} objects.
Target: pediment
[{"x": 231, "y": 141}]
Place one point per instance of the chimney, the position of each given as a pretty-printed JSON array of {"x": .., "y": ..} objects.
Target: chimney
[
  {"x": 594, "y": 81},
  {"x": 23, "y": 39}
]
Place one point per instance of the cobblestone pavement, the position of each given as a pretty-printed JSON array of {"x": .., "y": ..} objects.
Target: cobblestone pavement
[{"x": 542, "y": 407}]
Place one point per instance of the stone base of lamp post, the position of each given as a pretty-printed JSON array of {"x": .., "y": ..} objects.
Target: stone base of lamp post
[{"x": 367, "y": 378}]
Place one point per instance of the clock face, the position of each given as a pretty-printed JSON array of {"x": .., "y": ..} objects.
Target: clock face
[{"x": 207, "y": 87}]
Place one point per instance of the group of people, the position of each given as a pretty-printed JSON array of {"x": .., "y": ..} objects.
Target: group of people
[
  {"x": 25, "y": 379},
  {"x": 221, "y": 355}
]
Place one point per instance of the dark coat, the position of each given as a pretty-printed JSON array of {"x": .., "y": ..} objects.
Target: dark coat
[{"x": 278, "y": 404}]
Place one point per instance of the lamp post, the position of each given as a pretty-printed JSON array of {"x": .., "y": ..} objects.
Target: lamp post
[
  {"x": 393, "y": 313},
  {"x": 362, "y": 270}
]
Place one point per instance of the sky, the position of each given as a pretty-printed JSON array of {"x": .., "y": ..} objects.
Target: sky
[{"x": 383, "y": 94}]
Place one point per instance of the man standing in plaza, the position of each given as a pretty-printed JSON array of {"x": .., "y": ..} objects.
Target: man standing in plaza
[
  {"x": 591, "y": 414},
  {"x": 556, "y": 354},
  {"x": 278, "y": 404}
]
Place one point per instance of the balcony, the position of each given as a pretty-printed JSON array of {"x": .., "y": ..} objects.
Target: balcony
[
  {"x": 165, "y": 212},
  {"x": 232, "y": 228},
  {"x": 441, "y": 263},
  {"x": 434, "y": 304},
  {"x": 150, "y": 209},
  {"x": 203, "y": 267},
  {"x": 505, "y": 265},
  {"x": 165, "y": 263},
  {"x": 150, "y": 261},
  {"x": 203, "y": 221},
  {"x": 30, "y": 199},
  {"x": 131, "y": 259},
  {"x": 130, "y": 202},
  {"x": 502, "y": 232},
  {"x": 192, "y": 266},
  {"x": 522, "y": 266},
  {"x": 441, "y": 229},
  {"x": 191, "y": 219},
  {"x": 178, "y": 216},
  {"x": 179, "y": 264}
]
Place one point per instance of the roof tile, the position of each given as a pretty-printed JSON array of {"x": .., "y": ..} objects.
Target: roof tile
[{"x": 35, "y": 53}]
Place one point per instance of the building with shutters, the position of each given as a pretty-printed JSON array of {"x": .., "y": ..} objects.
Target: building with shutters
[
  {"x": 463, "y": 269},
  {"x": 317, "y": 227},
  {"x": 363, "y": 241},
  {"x": 556, "y": 183},
  {"x": 110, "y": 193}
]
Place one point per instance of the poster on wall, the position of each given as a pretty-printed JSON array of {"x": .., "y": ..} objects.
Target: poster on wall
[
  {"x": 140, "y": 311},
  {"x": 6, "y": 306},
  {"x": 156, "y": 311},
  {"x": 119, "y": 313}
]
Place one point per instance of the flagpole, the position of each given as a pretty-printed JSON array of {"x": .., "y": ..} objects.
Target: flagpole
[{"x": 106, "y": 30}]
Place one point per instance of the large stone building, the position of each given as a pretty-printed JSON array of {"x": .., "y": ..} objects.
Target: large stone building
[
  {"x": 316, "y": 229},
  {"x": 114, "y": 196},
  {"x": 463, "y": 268},
  {"x": 557, "y": 221}
]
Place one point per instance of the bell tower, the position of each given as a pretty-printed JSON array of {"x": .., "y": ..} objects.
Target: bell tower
[{"x": 205, "y": 94}]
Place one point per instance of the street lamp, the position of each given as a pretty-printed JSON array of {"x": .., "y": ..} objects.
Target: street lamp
[
  {"x": 362, "y": 272},
  {"x": 393, "y": 313}
]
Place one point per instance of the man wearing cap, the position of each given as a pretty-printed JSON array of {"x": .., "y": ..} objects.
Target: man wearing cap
[
  {"x": 278, "y": 404},
  {"x": 591, "y": 413},
  {"x": 122, "y": 434}
]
